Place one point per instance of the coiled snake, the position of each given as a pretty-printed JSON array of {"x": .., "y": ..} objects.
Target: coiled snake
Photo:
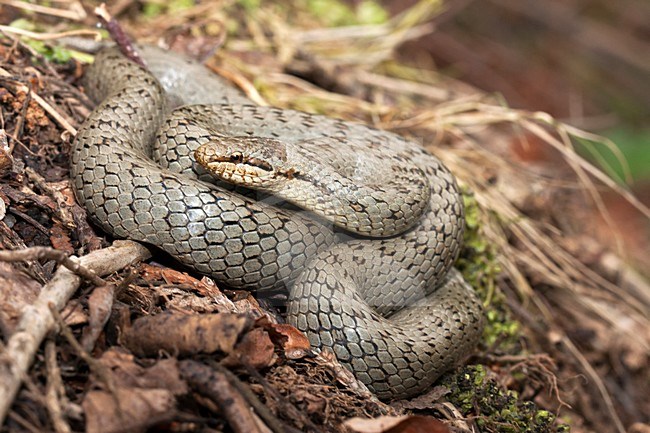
[{"x": 133, "y": 169}]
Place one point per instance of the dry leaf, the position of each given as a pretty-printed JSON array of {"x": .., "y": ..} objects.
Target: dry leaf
[
  {"x": 315, "y": 404},
  {"x": 60, "y": 239},
  {"x": 129, "y": 410},
  {"x": 128, "y": 374},
  {"x": 6, "y": 160},
  {"x": 327, "y": 359},
  {"x": 294, "y": 343},
  {"x": 171, "y": 276},
  {"x": 73, "y": 313},
  {"x": 100, "y": 304},
  {"x": 423, "y": 401},
  {"x": 255, "y": 349},
  {"x": 183, "y": 335},
  {"x": 397, "y": 424}
]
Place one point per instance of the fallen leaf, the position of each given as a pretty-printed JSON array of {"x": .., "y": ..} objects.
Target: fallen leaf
[
  {"x": 639, "y": 427},
  {"x": 60, "y": 239},
  {"x": 73, "y": 313},
  {"x": 423, "y": 401},
  {"x": 171, "y": 276},
  {"x": 128, "y": 410},
  {"x": 255, "y": 349},
  {"x": 17, "y": 291},
  {"x": 294, "y": 343},
  {"x": 327, "y": 359},
  {"x": 183, "y": 335},
  {"x": 100, "y": 304},
  {"x": 397, "y": 424},
  {"x": 127, "y": 373},
  {"x": 315, "y": 404},
  {"x": 6, "y": 160}
]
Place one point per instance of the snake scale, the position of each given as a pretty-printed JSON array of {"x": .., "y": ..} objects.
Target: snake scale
[{"x": 389, "y": 305}]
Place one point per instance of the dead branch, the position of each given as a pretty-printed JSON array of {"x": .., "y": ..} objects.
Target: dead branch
[
  {"x": 215, "y": 385},
  {"x": 39, "y": 253},
  {"x": 37, "y": 320},
  {"x": 61, "y": 211},
  {"x": 75, "y": 13},
  {"x": 51, "y": 36},
  {"x": 118, "y": 34},
  {"x": 55, "y": 391}
]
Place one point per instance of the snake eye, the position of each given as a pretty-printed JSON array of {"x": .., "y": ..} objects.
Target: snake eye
[{"x": 236, "y": 157}]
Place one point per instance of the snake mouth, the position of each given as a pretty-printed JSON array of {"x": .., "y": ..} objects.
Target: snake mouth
[{"x": 235, "y": 167}]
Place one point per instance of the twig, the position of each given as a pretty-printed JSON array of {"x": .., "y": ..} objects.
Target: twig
[
  {"x": 39, "y": 253},
  {"x": 37, "y": 321},
  {"x": 100, "y": 304},
  {"x": 76, "y": 15},
  {"x": 215, "y": 385},
  {"x": 50, "y": 36},
  {"x": 118, "y": 34},
  {"x": 62, "y": 211},
  {"x": 28, "y": 426},
  {"x": 38, "y": 226},
  {"x": 40, "y": 101},
  {"x": 19, "y": 43},
  {"x": 593, "y": 375},
  {"x": 262, "y": 410},
  {"x": 244, "y": 84},
  {"x": 98, "y": 369},
  {"x": 541, "y": 363},
  {"x": 95, "y": 366},
  {"x": 54, "y": 390},
  {"x": 284, "y": 404}
]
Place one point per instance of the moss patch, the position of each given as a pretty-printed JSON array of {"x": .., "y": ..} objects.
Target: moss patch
[
  {"x": 495, "y": 409},
  {"x": 479, "y": 265}
]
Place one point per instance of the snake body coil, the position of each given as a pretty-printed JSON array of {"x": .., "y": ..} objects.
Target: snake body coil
[{"x": 133, "y": 170}]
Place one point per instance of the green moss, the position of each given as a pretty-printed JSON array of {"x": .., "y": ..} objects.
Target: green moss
[
  {"x": 370, "y": 12},
  {"x": 338, "y": 13},
  {"x": 480, "y": 267},
  {"x": 250, "y": 5},
  {"x": 153, "y": 9},
  {"x": 54, "y": 54},
  {"x": 472, "y": 390},
  {"x": 497, "y": 410}
]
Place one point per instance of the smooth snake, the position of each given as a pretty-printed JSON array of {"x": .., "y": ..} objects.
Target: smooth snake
[{"x": 133, "y": 169}]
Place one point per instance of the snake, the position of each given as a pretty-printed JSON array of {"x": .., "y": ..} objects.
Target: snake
[{"x": 359, "y": 226}]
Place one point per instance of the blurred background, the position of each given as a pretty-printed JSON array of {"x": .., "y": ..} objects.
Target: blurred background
[{"x": 586, "y": 62}]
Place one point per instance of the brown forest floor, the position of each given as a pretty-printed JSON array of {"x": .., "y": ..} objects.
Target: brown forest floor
[{"x": 568, "y": 332}]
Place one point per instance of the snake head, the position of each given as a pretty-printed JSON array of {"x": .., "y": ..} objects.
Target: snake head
[{"x": 253, "y": 162}]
